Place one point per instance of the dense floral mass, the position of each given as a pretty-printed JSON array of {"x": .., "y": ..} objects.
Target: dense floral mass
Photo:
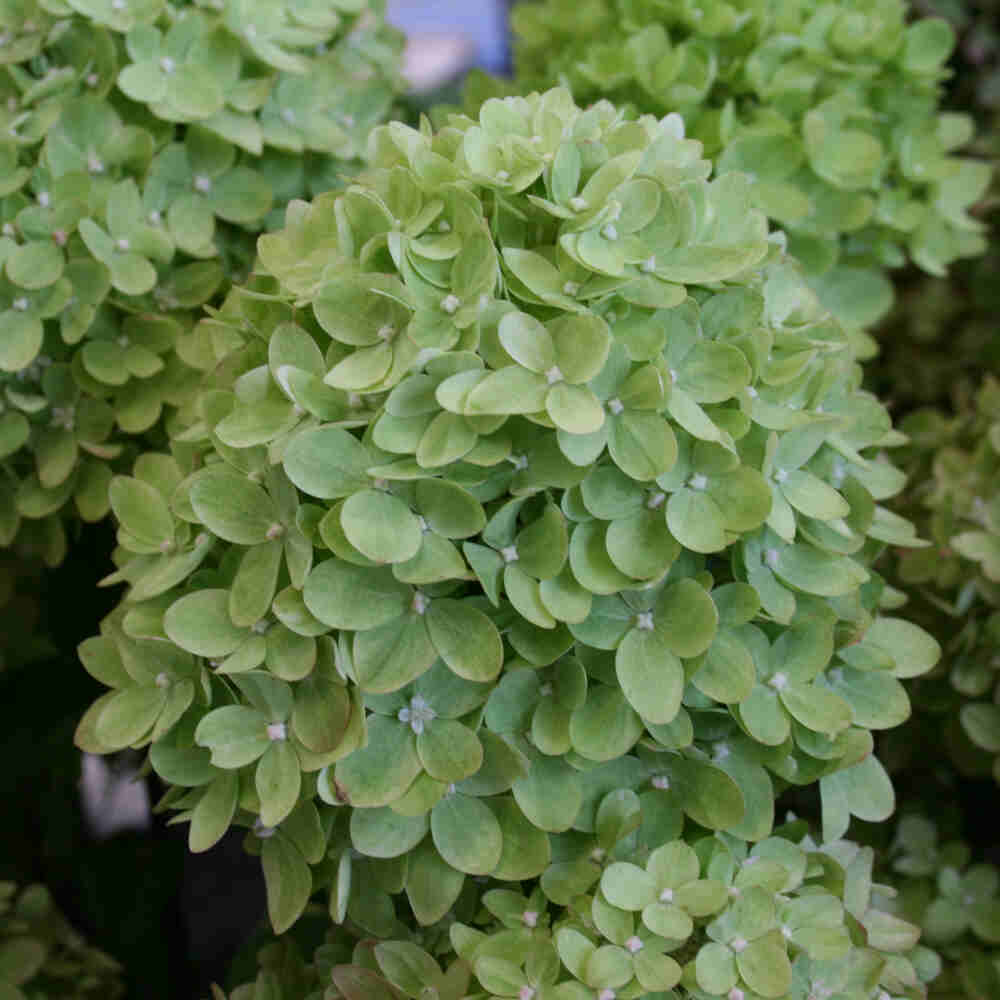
[
  {"x": 519, "y": 541},
  {"x": 831, "y": 107},
  {"x": 143, "y": 145},
  {"x": 534, "y": 478}
]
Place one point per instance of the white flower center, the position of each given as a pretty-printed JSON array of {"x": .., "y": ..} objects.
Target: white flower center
[
  {"x": 698, "y": 481},
  {"x": 571, "y": 288},
  {"x": 509, "y": 554},
  {"x": 752, "y": 392},
  {"x": 261, "y": 830},
  {"x": 503, "y": 176},
  {"x": 779, "y": 681},
  {"x": 275, "y": 531},
  {"x": 616, "y": 405},
  {"x": 450, "y": 304},
  {"x": 155, "y": 217},
  {"x": 648, "y": 265},
  {"x": 277, "y": 731},
  {"x": 656, "y": 499},
  {"x": 780, "y": 475},
  {"x": 167, "y": 65},
  {"x": 444, "y": 226},
  {"x": 162, "y": 680},
  {"x": 607, "y": 994},
  {"x": 553, "y": 375},
  {"x": 786, "y": 932},
  {"x": 417, "y": 714},
  {"x": 203, "y": 183},
  {"x": 667, "y": 896},
  {"x": 94, "y": 164},
  {"x": 123, "y": 244},
  {"x": 738, "y": 945},
  {"x": 661, "y": 782},
  {"x": 20, "y": 304},
  {"x": 421, "y": 602},
  {"x": 386, "y": 332},
  {"x": 644, "y": 621},
  {"x": 518, "y": 461},
  {"x": 530, "y": 918},
  {"x": 578, "y": 204},
  {"x": 633, "y": 944},
  {"x": 44, "y": 199},
  {"x": 526, "y": 993},
  {"x": 772, "y": 557},
  {"x": 609, "y": 232},
  {"x": 735, "y": 994}
]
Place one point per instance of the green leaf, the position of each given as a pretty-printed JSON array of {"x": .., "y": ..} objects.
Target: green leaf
[
  {"x": 381, "y": 526},
  {"x": 465, "y": 639},
  {"x": 651, "y": 676},
  {"x": 382, "y": 833},
  {"x": 327, "y": 462},
  {"x": 381, "y": 772},
  {"x": 696, "y": 521},
  {"x": 21, "y": 341},
  {"x": 233, "y": 507},
  {"x": 288, "y": 881},
  {"x": 627, "y": 886},
  {"x": 235, "y": 734},
  {"x": 449, "y": 751},
  {"x": 467, "y": 834},
  {"x": 278, "y": 779},
  {"x": 200, "y": 623},
  {"x": 35, "y": 264},
  {"x": 211, "y": 817},
  {"x": 354, "y": 597},
  {"x": 142, "y": 512}
]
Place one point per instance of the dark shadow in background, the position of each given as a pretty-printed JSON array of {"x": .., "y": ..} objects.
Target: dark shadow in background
[{"x": 173, "y": 920}]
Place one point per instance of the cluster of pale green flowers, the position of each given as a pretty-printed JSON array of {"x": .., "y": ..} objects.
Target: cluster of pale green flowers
[
  {"x": 43, "y": 958},
  {"x": 954, "y": 902},
  {"x": 831, "y": 107},
  {"x": 533, "y": 477},
  {"x": 143, "y": 145},
  {"x": 715, "y": 918},
  {"x": 954, "y": 585}
]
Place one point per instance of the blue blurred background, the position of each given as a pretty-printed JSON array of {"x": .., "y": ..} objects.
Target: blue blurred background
[{"x": 477, "y": 30}]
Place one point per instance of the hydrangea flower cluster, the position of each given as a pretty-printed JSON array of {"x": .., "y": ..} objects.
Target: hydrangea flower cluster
[
  {"x": 954, "y": 586},
  {"x": 955, "y": 903},
  {"x": 714, "y": 919},
  {"x": 143, "y": 145},
  {"x": 831, "y": 107},
  {"x": 535, "y": 485}
]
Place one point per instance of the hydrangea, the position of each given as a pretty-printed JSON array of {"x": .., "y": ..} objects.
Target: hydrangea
[
  {"x": 143, "y": 145},
  {"x": 956, "y": 904},
  {"x": 535, "y": 485},
  {"x": 953, "y": 586},
  {"x": 42, "y": 957},
  {"x": 713, "y": 919},
  {"x": 832, "y": 108}
]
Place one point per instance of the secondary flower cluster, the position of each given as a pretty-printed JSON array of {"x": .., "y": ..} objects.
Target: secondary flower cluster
[
  {"x": 713, "y": 919},
  {"x": 831, "y": 107},
  {"x": 955, "y": 585},
  {"x": 143, "y": 145},
  {"x": 533, "y": 475}
]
